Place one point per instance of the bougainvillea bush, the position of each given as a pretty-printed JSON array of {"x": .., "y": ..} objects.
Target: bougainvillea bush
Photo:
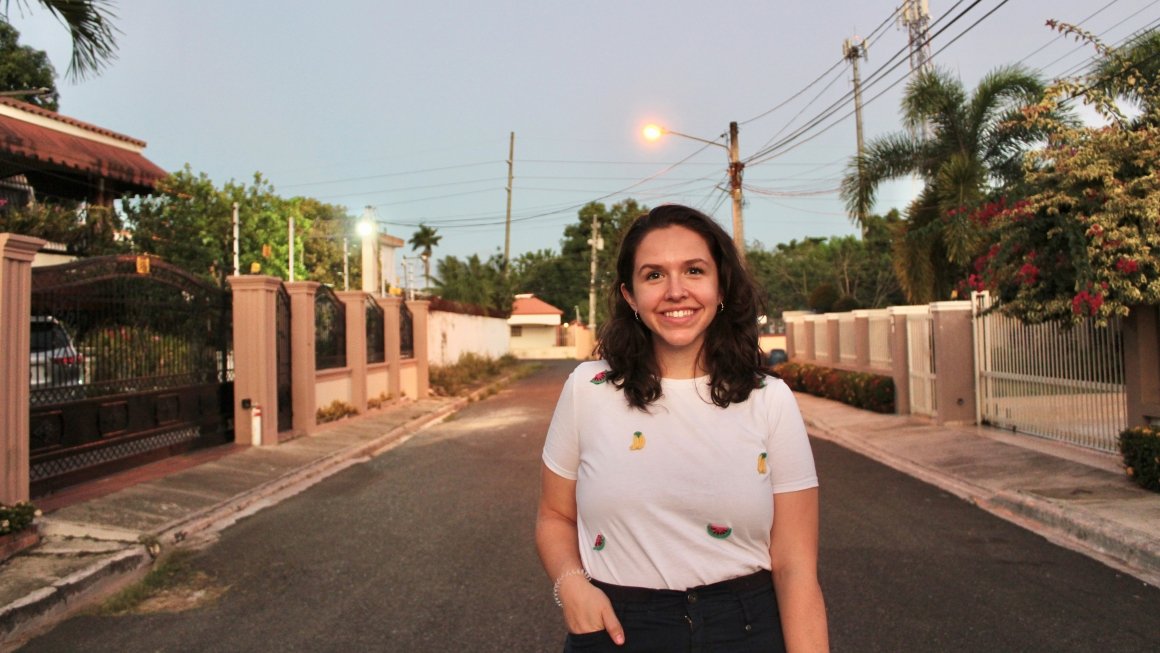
[
  {"x": 1140, "y": 447},
  {"x": 859, "y": 389},
  {"x": 1082, "y": 240}
]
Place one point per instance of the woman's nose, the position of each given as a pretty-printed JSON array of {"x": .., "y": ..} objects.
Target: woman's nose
[{"x": 676, "y": 290}]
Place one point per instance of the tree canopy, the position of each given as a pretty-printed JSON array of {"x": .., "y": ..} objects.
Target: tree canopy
[
  {"x": 23, "y": 68},
  {"x": 90, "y": 25}
]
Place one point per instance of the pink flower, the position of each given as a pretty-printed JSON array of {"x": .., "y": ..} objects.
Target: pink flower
[{"x": 1127, "y": 266}]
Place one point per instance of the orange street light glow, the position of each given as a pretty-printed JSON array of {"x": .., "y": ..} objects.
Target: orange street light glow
[{"x": 652, "y": 132}]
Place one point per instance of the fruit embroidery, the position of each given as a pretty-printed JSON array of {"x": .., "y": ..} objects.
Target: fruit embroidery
[
  {"x": 600, "y": 542},
  {"x": 718, "y": 531},
  {"x": 600, "y": 377},
  {"x": 637, "y": 441},
  {"x": 761, "y": 462}
]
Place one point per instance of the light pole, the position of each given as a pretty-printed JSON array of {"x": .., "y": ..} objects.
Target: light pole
[
  {"x": 654, "y": 132},
  {"x": 370, "y": 267}
]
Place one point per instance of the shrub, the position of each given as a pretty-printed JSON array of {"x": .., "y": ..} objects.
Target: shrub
[
  {"x": 16, "y": 518},
  {"x": 1140, "y": 447},
  {"x": 335, "y": 411},
  {"x": 469, "y": 370},
  {"x": 859, "y": 389}
]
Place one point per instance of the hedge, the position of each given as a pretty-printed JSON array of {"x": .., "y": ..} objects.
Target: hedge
[
  {"x": 1140, "y": 447},
  {"x": 859, "y": 389}
]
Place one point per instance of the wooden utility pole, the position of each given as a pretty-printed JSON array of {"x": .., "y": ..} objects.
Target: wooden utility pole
[
  {"x": 735, "y": 169},
  {"x": 853, "y": 50},
  {"x": 507, "y": 236},
  {"x": 597, "y": 244}
]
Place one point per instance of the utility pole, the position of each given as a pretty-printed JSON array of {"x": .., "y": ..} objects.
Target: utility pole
[
  {"x": 735, "y": 169},
  {"x": 597, "y": 243},
  {"x": 237, "y": 263},
  {"x": 853, "y": 50},
  {"x": 915, "y": 17},
  {"x": 507, "y": 236},
  {"x": 291, "y": 238}
]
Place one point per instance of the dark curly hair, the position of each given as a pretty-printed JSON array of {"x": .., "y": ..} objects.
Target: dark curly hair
[{"x": 730, "y": 351}]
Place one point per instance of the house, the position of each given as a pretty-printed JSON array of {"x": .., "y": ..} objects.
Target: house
[
  {"x": 537, "y": 331},
  {"x": 44, "y": 154}
]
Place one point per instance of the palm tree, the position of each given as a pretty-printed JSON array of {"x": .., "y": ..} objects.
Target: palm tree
[
  {"x": 89, "y": 23},
  {"x": 962, "y": 148},
  {"x": 1131, "y": 71},
  {"x": 425, "y": 238}
]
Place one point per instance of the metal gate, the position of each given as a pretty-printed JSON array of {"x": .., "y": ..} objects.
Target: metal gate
[
  {"x": 284, "y": 360},
  {"x": 133, "y": 363},
  {"x": 1042, "y": 380},
  {"x": 920, "y": 363}
]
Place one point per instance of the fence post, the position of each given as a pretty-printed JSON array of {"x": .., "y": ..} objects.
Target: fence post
[
  {"x": 834, "y": 338},
  {"x": 356, "y": 346},
  {"x": 954, "y": 362},
  {"x": 16, "y": 254},
  {"x": 390, "y": 305},
  {"x": 899, "y": 359},
  {"x": 1142, "y": 364},
  {"x": 255, "y": 358},
  {"x": 862, "y": 340},
  {"x": 810, "y": 353},
  {"x": 302, "y": 351},
  {"x": 422, "y": 364}
]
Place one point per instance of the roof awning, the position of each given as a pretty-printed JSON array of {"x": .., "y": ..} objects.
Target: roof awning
[{"x": 68, "y": 158}]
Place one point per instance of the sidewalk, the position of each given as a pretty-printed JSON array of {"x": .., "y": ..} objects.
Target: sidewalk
[
  {"x": 1075, "y": 498},
  {"x": 102, "y": 536}
]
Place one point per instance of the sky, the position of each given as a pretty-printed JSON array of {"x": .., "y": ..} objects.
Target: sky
[{"x": 408, "y": 107}]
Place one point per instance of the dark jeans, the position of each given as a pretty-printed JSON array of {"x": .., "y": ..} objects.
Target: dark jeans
[{"x": 738, "y": 616}]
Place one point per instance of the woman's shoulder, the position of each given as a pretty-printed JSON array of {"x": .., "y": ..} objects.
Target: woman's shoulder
[
  {"x": 772, "y": 388},
  {"x": 594, "y": 372}
]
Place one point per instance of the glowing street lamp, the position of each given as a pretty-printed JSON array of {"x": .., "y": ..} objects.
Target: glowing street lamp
[{"x": 654, "y": 132}]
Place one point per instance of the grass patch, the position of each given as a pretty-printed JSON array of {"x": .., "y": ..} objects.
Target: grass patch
[
  {"x": 470, "y": 372},
  {"x": 172, "y": 586}
]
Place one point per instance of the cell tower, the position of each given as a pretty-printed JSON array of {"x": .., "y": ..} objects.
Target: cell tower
[{"x": 915, "y": 17}]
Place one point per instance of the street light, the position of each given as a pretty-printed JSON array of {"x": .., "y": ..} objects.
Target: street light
[
  {"x": 370, "y": 268},
  {"x": 654, "y": 132}
]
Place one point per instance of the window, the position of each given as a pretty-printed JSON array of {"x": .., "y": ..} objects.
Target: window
[{"x": 517, "y": 331}]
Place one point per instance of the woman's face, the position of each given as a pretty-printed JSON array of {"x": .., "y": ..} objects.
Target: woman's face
[{"x": 675, "y": 289}]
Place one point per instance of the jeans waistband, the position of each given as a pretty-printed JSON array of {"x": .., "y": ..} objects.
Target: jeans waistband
[{"x": 624, "y": 594}]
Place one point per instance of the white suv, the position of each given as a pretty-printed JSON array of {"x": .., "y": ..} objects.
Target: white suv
[{"x": 56, "y": 367}]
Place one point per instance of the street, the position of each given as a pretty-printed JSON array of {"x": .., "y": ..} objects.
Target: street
[{"x": 429, "y": 548}]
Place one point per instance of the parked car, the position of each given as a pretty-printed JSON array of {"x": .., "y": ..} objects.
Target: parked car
[
  {"x": 56, "y": 368},
  {"x": 776, "y": 356}
]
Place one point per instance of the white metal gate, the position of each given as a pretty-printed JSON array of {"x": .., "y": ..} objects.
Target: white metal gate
[
  {"x": 920, "y": 363},
  {"x": 1065, "y": 385}
]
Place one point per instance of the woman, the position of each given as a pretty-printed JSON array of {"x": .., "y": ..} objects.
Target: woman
[{"x": 679, "y": 504}]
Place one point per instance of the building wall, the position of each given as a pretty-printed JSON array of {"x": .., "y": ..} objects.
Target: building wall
[
  {"x": 450, "y": 335},
  {"x": 533, "y": 336}
]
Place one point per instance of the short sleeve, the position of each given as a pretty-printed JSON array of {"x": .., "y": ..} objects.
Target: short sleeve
[
  {"x": 562, "y": 445},
  {"x": 790, "y": 456}
]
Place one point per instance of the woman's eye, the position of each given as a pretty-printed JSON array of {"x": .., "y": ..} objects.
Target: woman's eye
[
  {"x": 652, "y": 275},
  {"x": 696, "y": 271}
]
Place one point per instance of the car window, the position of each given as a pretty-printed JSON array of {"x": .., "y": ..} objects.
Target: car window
[{"x": 46, "y": 336}]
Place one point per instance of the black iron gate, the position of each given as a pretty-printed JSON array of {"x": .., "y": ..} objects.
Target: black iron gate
[
  {"x": 134, "y": 364},
  {"x": 285, "y": 394}
]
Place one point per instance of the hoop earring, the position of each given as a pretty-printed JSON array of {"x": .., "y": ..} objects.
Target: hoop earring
[
  {"x": 637, "y": 313},
  {"x": 721, "y": 307}
]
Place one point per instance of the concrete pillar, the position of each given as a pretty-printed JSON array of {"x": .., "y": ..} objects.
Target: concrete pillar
[
  {"x": 302, "y": 348},
  {"x": 390, "y": 305},
  {"x": 862, "y": 340},
  {"x": 834, "y": 336},
  {"x": 16, "y": 254},
  {"x": 954, "y": 362},
  {"x": 1142, "y": 365},
  {"x": 418, "y": 309},
  {"x": 790, "y": 329},
  {"x": 356, "y": 346},
  {"x": 810, "y": 354},
  {"x": 255, "y": 358},
  {"x": 900, "y": 358}
]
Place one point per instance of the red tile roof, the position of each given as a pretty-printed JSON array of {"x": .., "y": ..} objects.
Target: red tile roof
[
  {"x": 530, "y": 305},
  {"x": 34, "y": 139}
]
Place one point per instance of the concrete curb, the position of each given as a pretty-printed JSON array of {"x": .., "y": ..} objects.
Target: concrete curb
[
  {"x": 1118, "y": 547},
  {"x": 35, "y": 613}
]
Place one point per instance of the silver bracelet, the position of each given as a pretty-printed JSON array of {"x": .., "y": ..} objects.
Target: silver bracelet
[{"x": 579, "y": 571}]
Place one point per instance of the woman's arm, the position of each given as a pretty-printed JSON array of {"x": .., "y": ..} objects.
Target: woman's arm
[
  {"x": 586, "y": 608},
  {"x": 793, "y": 554}
]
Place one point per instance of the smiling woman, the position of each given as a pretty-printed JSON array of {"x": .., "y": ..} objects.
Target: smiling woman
[{"x": 678, "y": 492}]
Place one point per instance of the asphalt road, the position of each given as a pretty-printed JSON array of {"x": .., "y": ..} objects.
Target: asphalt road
[{"x": 429, "y": 548}]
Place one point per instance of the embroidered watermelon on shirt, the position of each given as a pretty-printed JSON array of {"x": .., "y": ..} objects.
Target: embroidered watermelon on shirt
[
  {"x": 761, "y": 462},
  {"x": 637, "y": 441},
  {"x": 600, "y": 542},
  {"x": 718, "y": 531},
  {"x": 600, "y": 377}
]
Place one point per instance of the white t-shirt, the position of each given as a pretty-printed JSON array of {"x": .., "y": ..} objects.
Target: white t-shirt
[{"x": 680, "y": 496}]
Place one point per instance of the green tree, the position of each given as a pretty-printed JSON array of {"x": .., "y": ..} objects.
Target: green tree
[
  {"x": 189, "y": 222},
  {"x": 974, "y": 144},
  {"x": 90, "y": 25},
  {"x": 474, "y": 281},
  {"x": 322, "y": 244},
  {"x": 546, "y": 275},
  {"x": 576, "y": 254},
  {"x": 424, "y": 239},
  {"x": 83, "y": 230},
  {"x": 25, "y": 68}
]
